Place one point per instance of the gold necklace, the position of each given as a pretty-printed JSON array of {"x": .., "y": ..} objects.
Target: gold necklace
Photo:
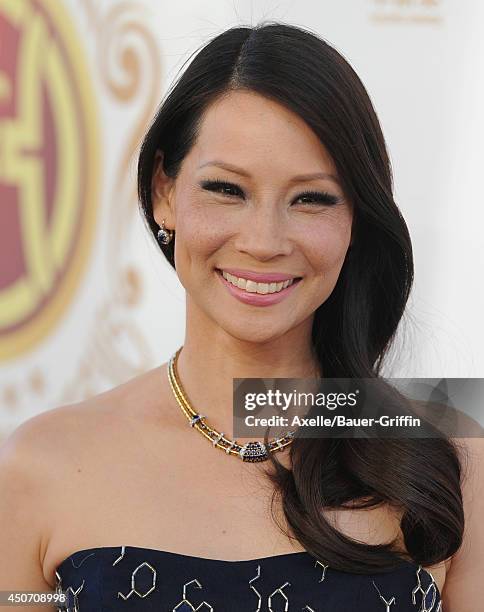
[{"x": 252, "y": 451}]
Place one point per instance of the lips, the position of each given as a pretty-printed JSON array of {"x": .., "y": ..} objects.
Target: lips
[
  {"x": 260, "y": 277},
  {"x": 257, "y": 299}
]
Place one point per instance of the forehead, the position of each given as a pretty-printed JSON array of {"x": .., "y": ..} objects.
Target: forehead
[{"x": 245, "y": 127}]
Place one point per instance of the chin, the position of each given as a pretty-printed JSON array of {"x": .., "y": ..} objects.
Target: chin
[{"x": 254, "y": 334}]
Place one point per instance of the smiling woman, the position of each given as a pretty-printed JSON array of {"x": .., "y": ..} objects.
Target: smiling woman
[
  {"x": 274, "y": 206},
  {"x": 275, "y": 164},
  {"x": 265, "y": 179}
]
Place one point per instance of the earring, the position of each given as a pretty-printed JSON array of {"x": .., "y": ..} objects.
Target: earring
[{"x": 164, "y": 236}]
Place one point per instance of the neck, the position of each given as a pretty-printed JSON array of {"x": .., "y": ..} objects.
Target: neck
[{"x": 211, "y": 358}]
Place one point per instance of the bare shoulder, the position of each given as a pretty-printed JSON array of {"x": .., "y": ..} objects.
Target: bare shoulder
[
  {"x": 32, "y": 443},
  {"x": 56, "y": 433},
  {"x": 464, "y": 588},
  {"x": 28, "y": 473},
  {"x": 43, "y": 439},
  {"x": 41, "y": 446},
  {"x": 54, "y": 456},
  {"x": 471, "y": 452},
  {"x": 35, "y": 454}
]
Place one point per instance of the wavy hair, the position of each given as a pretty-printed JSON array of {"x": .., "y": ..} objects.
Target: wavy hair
[{"x": 355, "y": 327}]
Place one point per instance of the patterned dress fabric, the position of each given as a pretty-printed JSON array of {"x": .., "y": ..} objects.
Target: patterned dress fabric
[{"x": 133, "y": 579}]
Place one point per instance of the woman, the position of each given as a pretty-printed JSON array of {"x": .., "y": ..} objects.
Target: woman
[{"x": 266, "y": 181}]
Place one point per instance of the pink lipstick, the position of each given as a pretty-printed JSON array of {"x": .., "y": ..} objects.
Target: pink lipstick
[{"x": 258, "y": 299}]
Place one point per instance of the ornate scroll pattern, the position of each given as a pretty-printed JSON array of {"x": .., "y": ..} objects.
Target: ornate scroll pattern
[{"x": 129, "y": 65}]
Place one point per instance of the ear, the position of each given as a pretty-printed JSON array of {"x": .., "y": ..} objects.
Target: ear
[{"x": 162, "y": 187}]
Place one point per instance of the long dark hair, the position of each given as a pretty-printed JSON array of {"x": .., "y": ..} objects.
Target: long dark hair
[{"x": 354, "y": 328}]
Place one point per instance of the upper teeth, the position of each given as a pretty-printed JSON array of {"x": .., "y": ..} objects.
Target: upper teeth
[{"x": 253, "y": 287}]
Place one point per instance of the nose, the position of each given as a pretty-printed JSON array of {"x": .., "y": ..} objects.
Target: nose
[{"x": 264, "y": 234}]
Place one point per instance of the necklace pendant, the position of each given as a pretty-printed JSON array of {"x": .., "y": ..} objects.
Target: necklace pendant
[{"x": 253, "y": 452}]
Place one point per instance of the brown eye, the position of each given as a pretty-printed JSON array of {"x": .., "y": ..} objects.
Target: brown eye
[
  {"x": 318, "y": 197},
  {"x": 222, "y": 187}
]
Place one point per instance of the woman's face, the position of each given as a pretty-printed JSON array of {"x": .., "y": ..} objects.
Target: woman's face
[{"x": 240, "y": 203}]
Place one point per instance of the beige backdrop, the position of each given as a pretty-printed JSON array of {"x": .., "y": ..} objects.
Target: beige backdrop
[{"x": 86, "y": 300}]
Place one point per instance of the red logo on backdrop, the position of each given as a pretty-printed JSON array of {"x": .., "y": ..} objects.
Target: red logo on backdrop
[{"x": 49, "y": 163}]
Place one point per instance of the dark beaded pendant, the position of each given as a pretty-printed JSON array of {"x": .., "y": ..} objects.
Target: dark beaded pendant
[{"x": 253, "y": 452}]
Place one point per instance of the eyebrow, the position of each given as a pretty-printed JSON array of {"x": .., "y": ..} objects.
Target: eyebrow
[{"x": 295, "y": 179}]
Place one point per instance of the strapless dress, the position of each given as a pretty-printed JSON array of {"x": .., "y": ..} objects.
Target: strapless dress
[{"x": 134, "y": 579}]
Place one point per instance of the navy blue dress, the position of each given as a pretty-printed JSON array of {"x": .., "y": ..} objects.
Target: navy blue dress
[{"x": 115, "y": 579}]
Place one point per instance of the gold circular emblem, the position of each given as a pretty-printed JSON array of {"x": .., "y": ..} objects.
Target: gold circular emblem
[{"x": 49, "y": 165}]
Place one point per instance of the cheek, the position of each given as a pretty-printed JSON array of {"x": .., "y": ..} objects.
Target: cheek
[
  {"x": 326, "y": 244},
  {"x": 200, "y": 230}
]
